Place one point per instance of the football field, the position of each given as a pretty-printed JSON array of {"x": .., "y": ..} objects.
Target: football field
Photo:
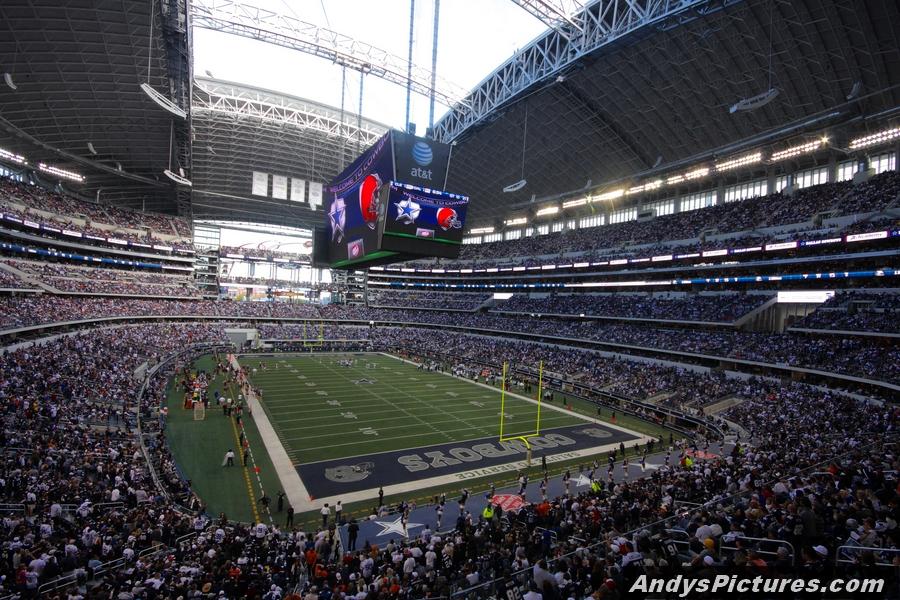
[{"x": 381, "y": 421}]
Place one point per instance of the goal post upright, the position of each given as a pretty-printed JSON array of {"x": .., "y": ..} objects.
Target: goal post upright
[
  {"x": 540, "y": 395},
  {"x": 320, "y": 340},
  {"x": 502, "y": 399},
  {"x": 537, "y": 431}
]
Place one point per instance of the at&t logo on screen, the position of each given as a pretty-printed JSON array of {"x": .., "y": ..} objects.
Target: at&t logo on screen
[{"x": 422, "y": 155}]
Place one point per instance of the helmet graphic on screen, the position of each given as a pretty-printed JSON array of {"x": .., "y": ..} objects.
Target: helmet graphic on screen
[
  {"x": 368, "y": 199},
  {"x": 447, "y": 218}
]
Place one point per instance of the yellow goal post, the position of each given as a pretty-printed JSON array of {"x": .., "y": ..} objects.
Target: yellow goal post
[{"x": 539, "y": 399}]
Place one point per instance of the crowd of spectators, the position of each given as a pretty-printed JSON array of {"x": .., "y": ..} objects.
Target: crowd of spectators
[
  {"x": 22, "y": 311},
  {"x": 875, "y": 194},
  {"x": 855, "y": 311},
  {"x": 695, "y": 307},
  {"x": 89, "y": 497},
  {"x": 12, "y": 281},
  {"x": 59, "y": 213},
  {"x": 885, "y": 223},
  {"x": 93, "y": 280},
  {"x": 834, "y": 354},
  {"x": 313, "y": 332},
  {"x": 847, "y": 355},
  {"x": 740, "y": 240},
  {"x": 70, "y": 455},
  {"x": 743, "y": 215},
  {"x": 468, "y": 301},
  {"x": 285, "y": 284},
  {"x": 37, "y": 198}
]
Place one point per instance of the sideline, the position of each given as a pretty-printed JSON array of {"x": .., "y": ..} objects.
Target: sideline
[{"x": 291, "y": 484}]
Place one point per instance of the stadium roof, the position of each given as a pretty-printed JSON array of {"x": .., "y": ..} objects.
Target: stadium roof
[
  {"x": 77, "y": 68},
  {"x": 238, "y": 130},
  {"x": 606, "y": 98},
  {"x": 663, "y": 92}
]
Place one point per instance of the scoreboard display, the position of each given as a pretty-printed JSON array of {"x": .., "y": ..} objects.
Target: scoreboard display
[
  {"x": 422, "y": 221},
  {"x": 389, "y": 205},
  {"x": 352, "y": 205}
]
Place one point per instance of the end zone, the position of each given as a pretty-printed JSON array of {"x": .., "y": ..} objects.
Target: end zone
[{"x": 359, "y": 477}]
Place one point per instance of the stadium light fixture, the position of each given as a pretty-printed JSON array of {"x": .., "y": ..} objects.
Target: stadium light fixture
[
  {"x": 516, "y": 221},
  {"x": 574, "y": 203},
  {"x": 61, "y": 173},
  {"x": 646, "y": 187},
  {"x": 740, "y": 161},
  {"x": 798, "y": 150},
  {"x": 875, "y": 139},
  {"x": 695, "y": 174},
  {"x": 515, "y": 187},
  {"x": 481, "y": 230},
  {"x": 12, "y": 157},
  {"x": 547, "y": 210},
  {"x": 610, "y": 195},
  {"x": 162, "y": 101}
]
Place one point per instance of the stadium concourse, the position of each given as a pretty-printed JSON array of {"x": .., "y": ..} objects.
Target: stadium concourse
[{"x": 647, "y": 335}]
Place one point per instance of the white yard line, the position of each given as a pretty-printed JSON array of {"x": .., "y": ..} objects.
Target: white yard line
[
  {"x": 407, "y": 413},
  {"x": 533, "y": 401},
  {"x": 380, "y": 429},
  {"x": 365, "y": 416}
]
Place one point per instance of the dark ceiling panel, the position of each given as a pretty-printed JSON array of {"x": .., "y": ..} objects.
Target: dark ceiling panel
[
  {"x": 667, "y": 94},
  {"x": 78, "y": 66}
]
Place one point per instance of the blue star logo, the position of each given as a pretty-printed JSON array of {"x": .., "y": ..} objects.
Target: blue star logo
[
  {"x": 408, "y": 211},
  {"x": 397, "y": 526},
  {"x": 337, "y": 214}
]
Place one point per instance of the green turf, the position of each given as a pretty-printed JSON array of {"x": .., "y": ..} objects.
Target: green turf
[
  {"x": 199, "y": 446},
  {"x": 311, "y": 429},
  {"x": 322, "y": 411}
]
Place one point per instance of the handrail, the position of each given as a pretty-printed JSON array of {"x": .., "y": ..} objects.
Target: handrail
[
  {"x": 877, "y": 552},
  {"x": 70, "y": 579},
  {"x": 179, "y": 541},
  {"x": 553, "y": 534},
  {"x": 72, "y": 507},
  {"x": 780, "y": 543}
]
